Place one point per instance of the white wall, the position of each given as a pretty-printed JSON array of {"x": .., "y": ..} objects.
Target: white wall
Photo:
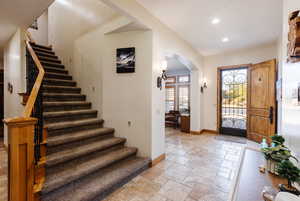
[
  {"x": 290, "y": 122},
  {"x": 120, "y": 97},
  {"x": 165, "y": 42},
  {"x": 40, "y": 36},
  {"x": 14, "y": 73},
  {"x": 69, "y": 19},
  {"x": 211, "y": 63}
]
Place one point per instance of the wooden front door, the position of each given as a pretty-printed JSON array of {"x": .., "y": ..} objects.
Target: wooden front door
[{"x": 262, "y": 101}]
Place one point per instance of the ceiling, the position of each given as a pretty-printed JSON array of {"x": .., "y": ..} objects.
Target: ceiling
[
  {"x": 18, "y": 13},
  {"x": 246, "y": 23},
  {"x": 175, "y": 66}
]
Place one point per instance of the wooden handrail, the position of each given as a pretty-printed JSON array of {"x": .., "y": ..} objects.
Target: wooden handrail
[
  {"x": 29, "y": 37},
  {"x": 37, "y": 85}
]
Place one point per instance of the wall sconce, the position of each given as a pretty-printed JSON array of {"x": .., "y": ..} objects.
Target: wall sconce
[
  {"x": 163, "y": 75},
  {"x": 204, "y": 86}
]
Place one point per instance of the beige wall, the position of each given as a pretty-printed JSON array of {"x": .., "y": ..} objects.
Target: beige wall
[
  {"x": 14, "y": 73},
  {"x": 290, "y": 119},
  {"x": 40, "y": 36},
  {"x": 119, "y": 97},
  {"x": 211, "y": 63}
]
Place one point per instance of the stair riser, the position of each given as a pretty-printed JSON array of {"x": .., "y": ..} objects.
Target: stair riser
[
  {"x": 55, "y": 65},
  {"x": 61, "y": 161},
  {"x": 64, "y": 98},
  {"x": 59, "y": 83},
  {"x": 74, "y": 129},
  {"x": 70, "y": 117},
  {"x": 91, "y": 171},
  {"x": 53, "y": 70},
  {"x": 110, "y": 189},
  {"x": 66, "y": 108},
  {"x": 40, "y": 46},
  {"x": 47, "y": 59},
  {"x": 58, "y": 76},
  {"x": 41, "y": 54},
  {"x": 43, "y": 50},
  {"x": 62, "y": 147},
  {"x": 63, "y": 90}
]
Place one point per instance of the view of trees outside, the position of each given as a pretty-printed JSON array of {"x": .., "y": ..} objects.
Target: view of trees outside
[{"x": 234, "y": 98}]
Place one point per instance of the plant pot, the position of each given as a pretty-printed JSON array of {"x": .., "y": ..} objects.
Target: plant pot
[{"x": 272, "y": 166}]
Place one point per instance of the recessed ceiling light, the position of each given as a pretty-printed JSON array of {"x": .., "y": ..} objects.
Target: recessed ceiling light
[
  {"x": 224, "y": 40},
  {"x": 215, "y": 21}
]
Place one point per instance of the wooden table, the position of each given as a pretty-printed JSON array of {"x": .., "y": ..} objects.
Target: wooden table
[{"x": 250, "y": 181}]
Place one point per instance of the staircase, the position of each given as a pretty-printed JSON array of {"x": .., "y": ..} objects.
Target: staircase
[{"x": 84, "y": 160}]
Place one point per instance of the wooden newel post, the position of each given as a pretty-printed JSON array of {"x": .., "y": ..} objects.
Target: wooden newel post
[{"x": 21, "y": 158}]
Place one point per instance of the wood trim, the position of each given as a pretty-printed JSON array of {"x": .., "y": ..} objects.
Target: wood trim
[
  {"x": 208, "y": 131},
  {"x": 37, "y": 85},
  {"x": 195, "y": 132},
  {"x": 233, "y": 66},
  {"x": 219, "y": 69},
  {"x": 172, "y": 77},
  {"x": 158, "y": 160},
  {"x": 20, "y": 158}
]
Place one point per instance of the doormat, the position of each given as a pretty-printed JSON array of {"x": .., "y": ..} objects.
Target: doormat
[{"x": 227, "y": 138}]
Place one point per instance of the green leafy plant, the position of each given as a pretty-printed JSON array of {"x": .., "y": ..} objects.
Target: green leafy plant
[
  {"x": 278, "y": 140},
  {"x": 278, "y": 153},
  {"x": 289, "y": 171}
]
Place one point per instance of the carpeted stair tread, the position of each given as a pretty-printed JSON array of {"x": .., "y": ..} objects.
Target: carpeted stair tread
[
  {"x": 63, "y": 97},
  {"x": 40, "y": 46},
  {"x": 61, "y": 76},
  {"x": 66, "y": 103},
  {"x": 99, "y": 184},
  {"x": 61, "y": 89},
  {"x": 70, "y": 124},
  {"x": 55, "y": 70},
  {"x": 59, "y": 82},
  {"x": 49, "y": 59},
  {"x": 79, "y": 151},
  {"x": 78, "y": 136},
  {"x": 44, "y": 54},
  {"x": 73, "y": 170},
  {"x": 53, "y": 64},
  {"x": 37, "y": 49},
  {"x": 65, "y": 113}
]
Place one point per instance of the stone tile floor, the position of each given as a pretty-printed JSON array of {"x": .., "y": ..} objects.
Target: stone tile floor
[{"x": 197, "y": 168}]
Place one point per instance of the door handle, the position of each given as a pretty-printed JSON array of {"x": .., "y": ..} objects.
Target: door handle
[{"x": 271, "y": 112}]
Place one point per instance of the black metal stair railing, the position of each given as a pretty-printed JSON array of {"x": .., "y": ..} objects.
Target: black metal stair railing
[{"x": 31, "y": 75}]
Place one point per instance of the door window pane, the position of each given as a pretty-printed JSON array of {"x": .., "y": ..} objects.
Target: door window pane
[
  {"x": 183, "y": 98},
  {"x": 170, "y": 98},
  {"x": 184, "y": 78}
]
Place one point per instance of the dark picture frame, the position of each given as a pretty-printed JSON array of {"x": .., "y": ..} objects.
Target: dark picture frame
[{"x": 126, "y": 60}]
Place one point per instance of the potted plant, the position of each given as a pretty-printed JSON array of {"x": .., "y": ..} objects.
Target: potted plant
[
  {"x": 277, "y": 153},
  {"x": 289, "y": 171},
  {"x": 277, "y": 140},
  {"x": 274, "y": 155}
]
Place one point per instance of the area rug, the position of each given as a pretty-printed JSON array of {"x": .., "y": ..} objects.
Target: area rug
[{"x": 235, "y": 139}]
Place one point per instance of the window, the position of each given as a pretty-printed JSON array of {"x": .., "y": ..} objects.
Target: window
[
  {"x": 183, "y": 97},
  {"x": 171, "y": 80},
  {"x": 183, "y": 78},
  {"x": 170, "y": 98}
]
